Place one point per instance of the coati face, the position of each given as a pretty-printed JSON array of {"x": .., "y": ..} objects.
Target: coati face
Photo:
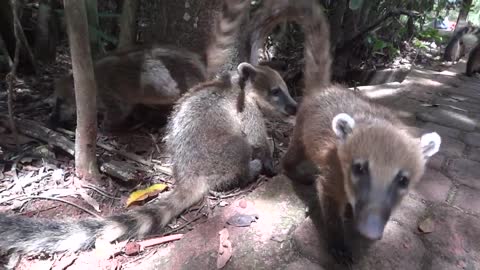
[
  {"x": 64, "y": 110},
  {"x": 268, "y": 88},
  {"x": 380, "y": 163}
]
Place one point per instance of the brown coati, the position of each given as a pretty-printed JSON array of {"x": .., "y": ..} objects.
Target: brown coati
[
  {"x": 218, "y": 139},
  {"x": 473, "y": 63},
  {"x": 455, "y": 48},
  {"x": 153, "y": 75},
  {"x": 357, "y": 154}
]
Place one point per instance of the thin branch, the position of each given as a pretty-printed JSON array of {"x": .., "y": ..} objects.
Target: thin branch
[
  {"x": 346, "y": 45},
  {"x": 64, "y": 201},
  {"x": 11, "y": 76}
]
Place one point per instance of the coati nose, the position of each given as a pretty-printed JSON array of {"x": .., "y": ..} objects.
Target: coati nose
[
  {"x": 291, "y": 109},
  {"x": 371, "y": 226}
]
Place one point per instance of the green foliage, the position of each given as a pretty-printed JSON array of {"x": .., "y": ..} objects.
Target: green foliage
[
  {"x": 431, "y": 35},
  {"x": 355, "y": 4},
  {"x": 382, "y": 47},
  {"x": 419, "y": 44}
]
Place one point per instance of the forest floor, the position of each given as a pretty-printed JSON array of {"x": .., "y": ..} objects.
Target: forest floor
[{"x": 436, "y": 227}]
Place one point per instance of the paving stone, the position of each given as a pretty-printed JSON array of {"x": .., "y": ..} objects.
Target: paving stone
[
  {"x": 474, "y": 153},
  {"x": 436, "y": 162},
  {"x": 454, "y": 240},
  {"x": 468, "y": 199},
  {"x": 473, "y": 139},
  {"x": 409, "y": 212},
  {"x": 434, "y": 186},
  {"x": 442, "y": 130},
  {"x": 398, "y": 249},
  {"x": 465, "y": 171},
  {"x": 449, "y": 118},
  {"x": 451, "y": 147},
  {"x": 308, "y": 242},
  {"x": 303, "y": 264},
  {"x": 263, "y": 245}
]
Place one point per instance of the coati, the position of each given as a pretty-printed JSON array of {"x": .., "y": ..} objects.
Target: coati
[
  {"x": 218, "y": 139},
  {"x": 356, "y": 153},
  {"x": 153, "y": 75},
  {"x": 473, "y": 63},
  {"x": 455, "y": 48}
]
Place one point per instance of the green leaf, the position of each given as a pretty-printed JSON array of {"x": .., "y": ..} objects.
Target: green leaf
[{"x": 355, "y": 4}]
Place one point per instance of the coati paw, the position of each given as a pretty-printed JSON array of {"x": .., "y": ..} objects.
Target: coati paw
[
  {"x": 269, "y": 168},
  {"x": 341, "y": 253},
  {"x": 255, "y": 167}
]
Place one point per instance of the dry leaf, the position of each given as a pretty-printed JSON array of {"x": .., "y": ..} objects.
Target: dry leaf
[
  {"x": 224, "y": 250},
  {"x": 141, "y": 195},
  {"x": 427, "y": 225},
  {"x": 91, "y": 201}
]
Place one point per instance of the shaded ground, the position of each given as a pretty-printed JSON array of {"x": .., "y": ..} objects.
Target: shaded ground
[{"x": 447, "y": 199}]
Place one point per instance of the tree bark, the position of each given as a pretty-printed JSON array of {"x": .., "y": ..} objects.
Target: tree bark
[
  {"x": 128, "y": 24},
  {"x": 336, "y": 22},
  {"x": 185, "y": 23},
  {"x": 46, "y": 35},
  {"x": 94, "y": 26},
  {"x": 463, "y": 14},
  {"x": 85, "y": 90}
]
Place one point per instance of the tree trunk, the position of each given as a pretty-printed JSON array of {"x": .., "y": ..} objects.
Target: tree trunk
[
  {"x": 46, "y": 35},
  {"x": 94, "y": 26},
  {"x": 336, "y": 22},
  {"x": 128, "y": 24},
  {"x": 186, "y": 23},
  {"x": 85, "y": 89},
  {"x": 463, "y": 14}
]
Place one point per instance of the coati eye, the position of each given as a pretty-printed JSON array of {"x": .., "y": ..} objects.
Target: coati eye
[
  {"x": 276, "y": 91},
  {"x": 403, "y": 181},
  {"x": 360, "y": 168}
]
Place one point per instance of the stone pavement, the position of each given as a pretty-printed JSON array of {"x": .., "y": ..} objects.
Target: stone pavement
[{"x": 448, "y": 198}]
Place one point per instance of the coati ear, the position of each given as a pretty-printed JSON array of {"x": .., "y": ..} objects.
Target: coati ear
[
  {"x": 246, "y": 71},
  {"x": 430, "y": 144},
  {"x": 343, "y": 125}
]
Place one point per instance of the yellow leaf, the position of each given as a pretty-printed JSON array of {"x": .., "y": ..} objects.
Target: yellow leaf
[{"x": 143, "y": 194}]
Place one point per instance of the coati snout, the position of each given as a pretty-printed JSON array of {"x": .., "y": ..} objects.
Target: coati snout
[
  {"x": 379, "y": 164},
  {"x": 270, "y": 86}
]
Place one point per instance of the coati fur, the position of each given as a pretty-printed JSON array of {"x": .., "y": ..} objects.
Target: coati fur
[
  {"x": 153, "y": 75},
  {"x": 358, "y": 155},
  {"x": 473, "y": 63},
  {"x": 217, "y": 137},
  {"x": 455, "y": 48}
]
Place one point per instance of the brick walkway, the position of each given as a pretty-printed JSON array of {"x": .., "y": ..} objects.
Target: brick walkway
[{"x": 448, "y": 197}]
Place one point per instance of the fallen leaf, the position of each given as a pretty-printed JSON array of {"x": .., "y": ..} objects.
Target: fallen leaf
[
  {"x": 427, "y": 225},
  {"x": 89, "y": 200},
  {"x": 141, "y": 195},
  {"x": 132, "y": 248},
  {"x": 224, "y": 249},
  {"x": 242, "y": 220},
  {"x": 57, "y": 175},
  {"x": 223, "y": 204}
]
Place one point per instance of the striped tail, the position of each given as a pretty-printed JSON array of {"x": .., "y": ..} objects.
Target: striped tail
[
  {"x": 27, "y": 236},
  {"x": 226, "y": 33},
  {"x": 310, "y": 16}
]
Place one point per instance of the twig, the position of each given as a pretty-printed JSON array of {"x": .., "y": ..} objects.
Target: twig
[
  {"x": 135, "y": 158},
  {"x": 64, "y": 201},
  {"x": 102, "y": 192},
  {"x": 11, "y": 76},
  {"x": 20, "y": 36},
  {"x": 182, "y": 226}
]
